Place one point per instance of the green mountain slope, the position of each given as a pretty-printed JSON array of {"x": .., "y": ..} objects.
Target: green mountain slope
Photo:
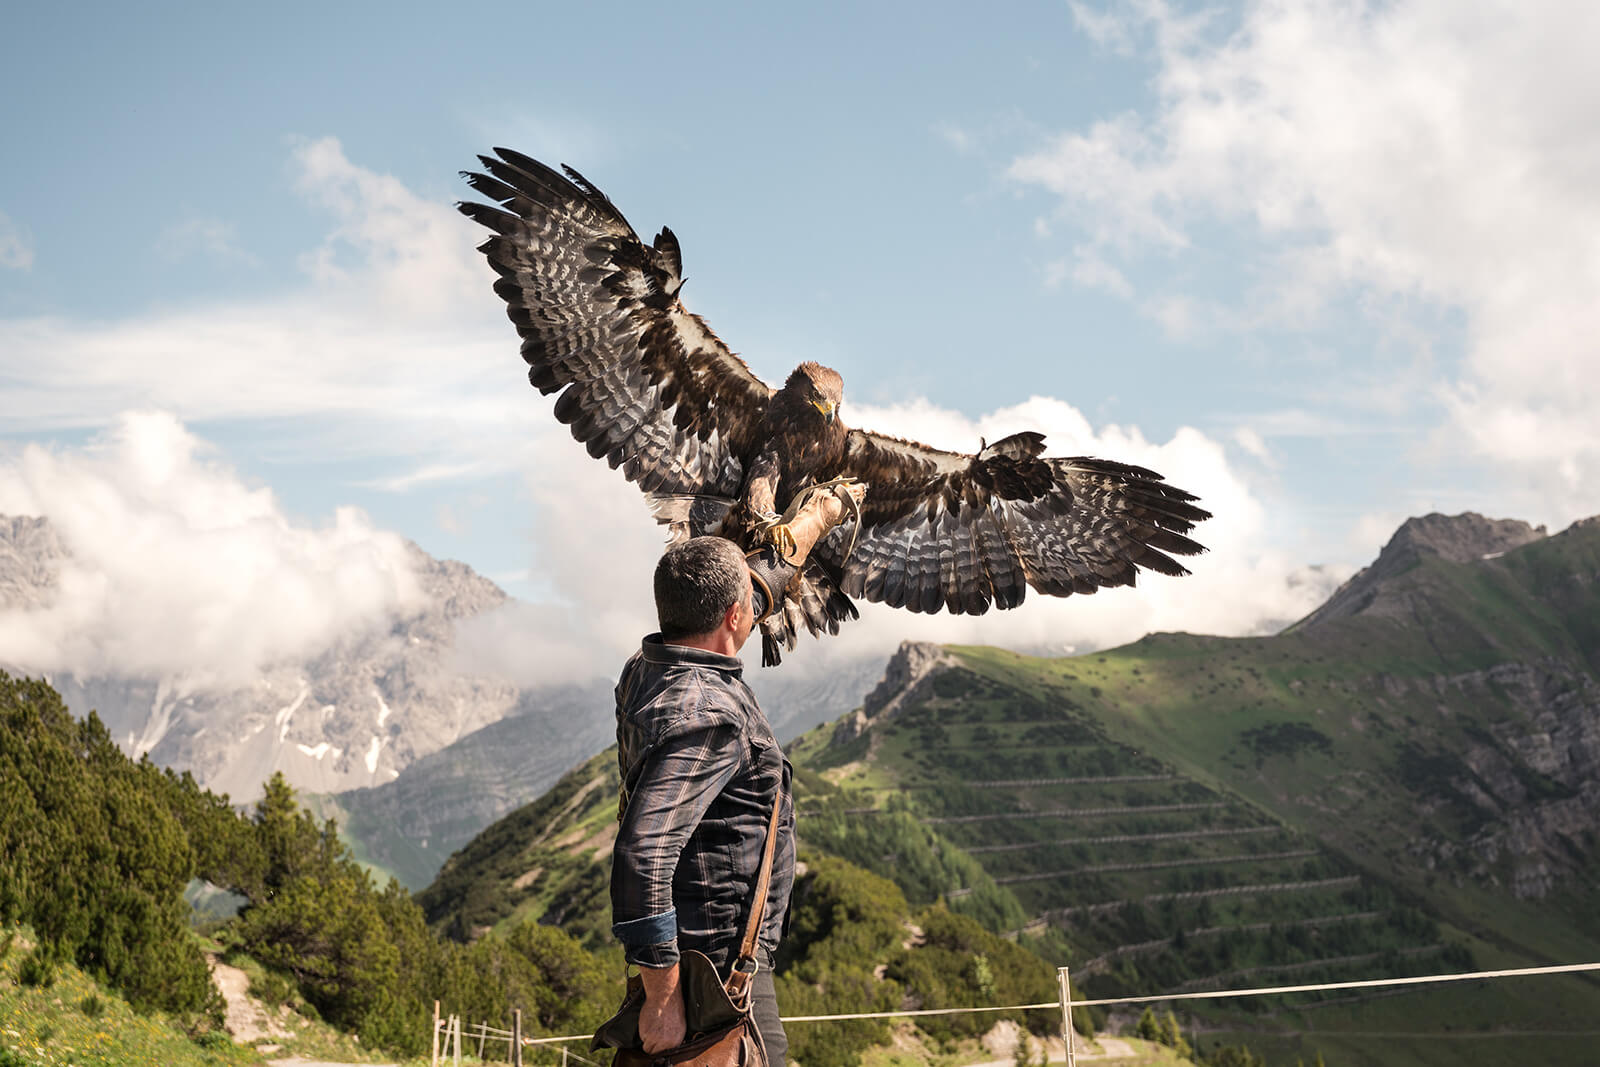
[
  {"x": 409, "y": 826},
  {"x": 548, "y": 861}
]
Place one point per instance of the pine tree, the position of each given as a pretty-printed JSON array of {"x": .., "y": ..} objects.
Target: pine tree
[
  {"x": 91, "y": 854},
  {"x": 1172, "y": 1034}
]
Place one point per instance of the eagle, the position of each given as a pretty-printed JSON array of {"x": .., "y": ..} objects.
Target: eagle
[{"x": 647, "y": 386}]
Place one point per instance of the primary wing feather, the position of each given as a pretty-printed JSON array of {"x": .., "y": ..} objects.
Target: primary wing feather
[
  {"x": 943, "y": 530},
  {"x": 644, "y": 384}
]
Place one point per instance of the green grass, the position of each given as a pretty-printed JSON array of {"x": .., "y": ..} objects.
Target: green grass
[
  {"x": 72, "y": 1020},
  {"x": 545, "y": 860}
]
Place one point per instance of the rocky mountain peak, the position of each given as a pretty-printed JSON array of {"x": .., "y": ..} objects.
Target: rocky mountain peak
[
  {"x": 1462, "y": 538},
  {"x": 30, "y": 556},
  {"x": 1465, "y": 538},
  {"x": 352, "y": 714},
  {"x": 911, "y": 661},
  {"x": 908, "y": 671},
  {"x": 454, "y": 590}
]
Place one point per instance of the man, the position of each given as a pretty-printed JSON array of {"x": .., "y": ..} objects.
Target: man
[{"x": 700, "y": 773}]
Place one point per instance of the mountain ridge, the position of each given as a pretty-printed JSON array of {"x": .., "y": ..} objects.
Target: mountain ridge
[
  {"x": 1462, "y": 538},
  {"x": 355, "y": 713}
]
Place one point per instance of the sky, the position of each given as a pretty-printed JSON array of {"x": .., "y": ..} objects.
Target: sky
[{"x": 1327, "y": 264}]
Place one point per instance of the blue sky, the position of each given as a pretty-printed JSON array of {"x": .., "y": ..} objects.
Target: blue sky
[{"x": 1329, "y": 264}]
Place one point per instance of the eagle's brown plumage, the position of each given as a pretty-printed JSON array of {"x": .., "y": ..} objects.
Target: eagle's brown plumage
[{"x": 648, "y": 386}]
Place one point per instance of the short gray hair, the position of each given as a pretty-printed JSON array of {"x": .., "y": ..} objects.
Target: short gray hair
[{"x": 696, "y": 582}]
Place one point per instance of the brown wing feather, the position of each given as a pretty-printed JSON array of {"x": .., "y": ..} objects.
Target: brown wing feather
[
  {"x": 644, "y": 384},
  {"x": 814, "y": 603},
  {"x": 943, "y": 530}
]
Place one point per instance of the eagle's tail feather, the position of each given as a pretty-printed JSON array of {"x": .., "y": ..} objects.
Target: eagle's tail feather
[
  {"x": 815, "y": 602},
  {"x": 689, "y": 515}
]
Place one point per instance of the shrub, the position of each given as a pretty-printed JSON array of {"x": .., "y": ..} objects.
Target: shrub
[
  {"x": 271, "y": 989},
  {"x": 37, "y": 969}
]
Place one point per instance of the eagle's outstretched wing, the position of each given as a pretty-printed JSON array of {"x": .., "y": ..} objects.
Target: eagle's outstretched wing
[
  {"x": 959, "y": 532},
  {"x": 644, "y": 383}
]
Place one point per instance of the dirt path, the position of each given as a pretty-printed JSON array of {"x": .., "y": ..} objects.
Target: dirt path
[
  {"x": 1111, "y": 1048},
  {"x": 1001, "y": 1041},
  {"x": 247, "y": 1019}
]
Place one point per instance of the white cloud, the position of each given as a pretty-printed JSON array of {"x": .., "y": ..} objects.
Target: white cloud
[
  {"x": 412, "y": 256},
  {"x": 1427, "y": 156},
  {"x": 1092, "y": 271},
  {"x": 595, "y": 547},
  {"x": 1108, "y": 29},
  {"x": 178, "y": 570},
  {"x": 1372, "y": 531},
  {"x": 1249, "y": 440},
  {"x": 16, "y": 250},
  {"x": 395, "y": 336},
  {"x": 211, "y": 238},
  {"x": 957, "y": 137},
  {"x": 426, "y": 474}
]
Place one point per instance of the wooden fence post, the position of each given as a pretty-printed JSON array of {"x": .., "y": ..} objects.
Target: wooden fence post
[
  {"x": 516, "y": 1037},
  {"x": 434, "y": 1062},
  {"x": 1066, "y": 1015}
]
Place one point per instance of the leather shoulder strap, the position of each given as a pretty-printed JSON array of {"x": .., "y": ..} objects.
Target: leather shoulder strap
[{"x": 758, "y": 907}]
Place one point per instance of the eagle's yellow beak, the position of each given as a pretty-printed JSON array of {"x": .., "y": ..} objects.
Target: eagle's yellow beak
[{"x": 826, "y": 407}]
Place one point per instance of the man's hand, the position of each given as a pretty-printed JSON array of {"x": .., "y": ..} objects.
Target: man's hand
[{"x": 661, "y": 1020}]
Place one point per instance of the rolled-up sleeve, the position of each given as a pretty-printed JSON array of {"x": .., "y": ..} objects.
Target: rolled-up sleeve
[{"x": 677, "y": 784}]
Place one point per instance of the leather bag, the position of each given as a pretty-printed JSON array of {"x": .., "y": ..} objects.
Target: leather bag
[{"x": 720, "y": 1031}]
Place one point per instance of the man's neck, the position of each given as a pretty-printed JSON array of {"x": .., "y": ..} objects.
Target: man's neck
[{"x": 718, "y": 641}]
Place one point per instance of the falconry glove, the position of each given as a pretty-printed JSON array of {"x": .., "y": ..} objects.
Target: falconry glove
[{"x": 824, "y": 507}]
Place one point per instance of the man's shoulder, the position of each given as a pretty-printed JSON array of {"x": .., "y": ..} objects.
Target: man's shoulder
[
  {"x": 659, "y": 700},
  {"x": 688, "y": 697}
]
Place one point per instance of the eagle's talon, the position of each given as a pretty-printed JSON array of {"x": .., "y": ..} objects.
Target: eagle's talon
[{"x": 782, "y": 538}]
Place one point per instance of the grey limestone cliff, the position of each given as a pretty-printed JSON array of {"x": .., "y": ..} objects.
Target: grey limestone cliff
[{"x": 355, "y": 714}]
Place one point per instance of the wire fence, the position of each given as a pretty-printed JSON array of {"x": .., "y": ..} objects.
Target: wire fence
[
  {"x": 1117, "y": 839},
  {"x": 1158, "y": 865},
  {"x": 451, "y": 1027}
]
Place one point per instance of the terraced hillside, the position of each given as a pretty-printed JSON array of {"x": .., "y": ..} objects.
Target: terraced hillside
[
  {"x": 1144, "y": 878},
  {"x": 1406, "y": 784}
]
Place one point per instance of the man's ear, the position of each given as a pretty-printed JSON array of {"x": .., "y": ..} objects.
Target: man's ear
[{"x": 730, "y": 617}]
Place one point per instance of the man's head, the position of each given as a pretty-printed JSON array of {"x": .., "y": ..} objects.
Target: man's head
[{"x": 702, "y": 588}]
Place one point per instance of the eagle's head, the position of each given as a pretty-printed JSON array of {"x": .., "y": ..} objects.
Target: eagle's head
[{"x": 819, "y": 386}]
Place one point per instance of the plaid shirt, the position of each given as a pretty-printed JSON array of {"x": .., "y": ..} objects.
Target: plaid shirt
[{"x": 699, "y": 770}]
